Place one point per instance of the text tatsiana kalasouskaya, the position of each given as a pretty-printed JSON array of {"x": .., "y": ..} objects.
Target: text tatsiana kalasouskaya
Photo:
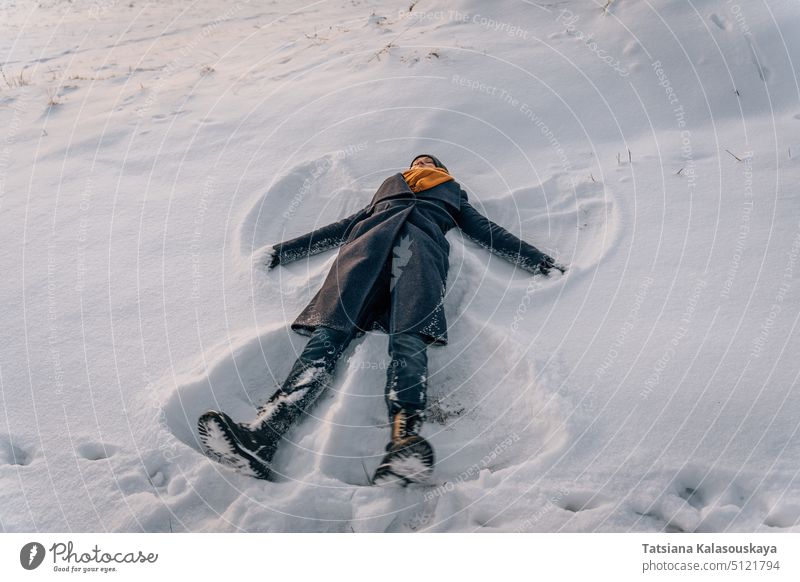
[{"x": 708, "y": 549}]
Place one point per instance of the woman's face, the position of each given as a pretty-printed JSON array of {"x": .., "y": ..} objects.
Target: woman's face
[{"x": 423, "y": 162}]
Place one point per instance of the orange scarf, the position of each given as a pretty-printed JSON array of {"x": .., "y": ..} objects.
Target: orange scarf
[{"x": 419, "y": 179}]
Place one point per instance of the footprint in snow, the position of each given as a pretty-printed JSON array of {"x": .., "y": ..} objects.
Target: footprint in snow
[
  {"x": 95, "y": 451},
  {"x": 721, "y": 22},
  {"x": 149, "y": 472},
  {"x": 576, "y": 501},
  {"x": 698, "y": 500},
  {"x": 783, "y": 516},
  {"x": 12, "y": 453}
]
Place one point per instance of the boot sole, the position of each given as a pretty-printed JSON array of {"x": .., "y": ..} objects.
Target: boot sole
[
  {"x": 220, "y": 443},
  {"x": 406, "y": 464}
]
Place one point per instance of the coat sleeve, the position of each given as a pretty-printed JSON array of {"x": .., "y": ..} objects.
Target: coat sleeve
[
  {"x": 497, "y": 239},
  {"x": 317, "y": 241}
]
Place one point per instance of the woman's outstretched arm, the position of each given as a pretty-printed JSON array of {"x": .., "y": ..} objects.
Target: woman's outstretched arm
[
  {"x": 499, "y": 241},
  {"x": 317, "y": 241}
]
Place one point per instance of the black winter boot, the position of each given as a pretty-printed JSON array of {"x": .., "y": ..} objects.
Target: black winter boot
[
  {"x": 249, "y": 447},
  {"x": 409, "y": 457}
]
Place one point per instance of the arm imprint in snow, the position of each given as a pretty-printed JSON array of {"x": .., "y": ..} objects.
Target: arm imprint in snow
[
  {"x": 497, "y": 239},
  {"x": 317, "y": 241}
]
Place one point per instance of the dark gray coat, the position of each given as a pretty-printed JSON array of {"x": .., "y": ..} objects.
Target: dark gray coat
[{"x": 391, "y": 270}]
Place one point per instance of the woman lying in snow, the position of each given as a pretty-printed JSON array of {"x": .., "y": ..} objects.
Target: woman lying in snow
[{"x": 389, "y": 275}]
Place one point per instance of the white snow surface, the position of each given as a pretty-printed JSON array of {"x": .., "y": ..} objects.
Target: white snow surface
[{"x": 151, "y": 152}]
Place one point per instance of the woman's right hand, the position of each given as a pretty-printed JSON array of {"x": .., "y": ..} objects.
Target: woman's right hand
[
  {"x": 548, "y": 263},
  {"x": 271, "y": 258}
]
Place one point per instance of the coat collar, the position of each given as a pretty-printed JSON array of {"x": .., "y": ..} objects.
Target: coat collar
[{"x": 396, "y": 187}]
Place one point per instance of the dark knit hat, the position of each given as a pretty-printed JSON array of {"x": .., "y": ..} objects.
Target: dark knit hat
[{"x": 436, "y": 161}]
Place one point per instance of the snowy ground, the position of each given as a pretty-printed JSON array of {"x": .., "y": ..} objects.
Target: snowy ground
[{"x": 150, "y": 150}]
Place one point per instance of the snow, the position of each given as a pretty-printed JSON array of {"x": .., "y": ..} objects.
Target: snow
[{"x": 152, "y": 152}]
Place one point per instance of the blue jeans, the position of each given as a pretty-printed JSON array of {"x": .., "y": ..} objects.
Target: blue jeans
[{"x": 406, "y": 377}]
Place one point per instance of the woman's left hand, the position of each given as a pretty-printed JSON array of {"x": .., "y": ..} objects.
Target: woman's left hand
[
  {"x": 548, "y": 263},
  {"x": 271, "y": 258}
]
